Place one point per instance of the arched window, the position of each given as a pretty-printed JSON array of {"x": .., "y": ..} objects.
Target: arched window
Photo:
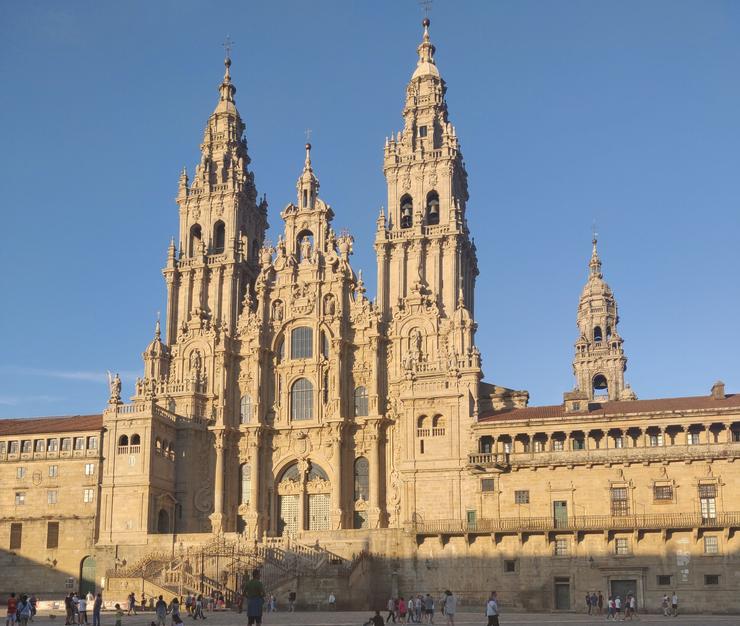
[
  {"x": 196, "y": 235},
  {"x": 597, "y": 334},
  {"x": 422, "y": 422},
  {"x": 245, "y": 483},
  {"x": 362, "y": 479},
  {"x": 316, "y": 471},
  {"x": 407, "y": 211},
  {"x": 135, "y": 440},
  {"x": 608, "y": 333},
  {"x": 439, "y": 421},
  {"x": 219, "y": 237},
  {"x": 163, "y": 521},
  {"x": 600, "y": 384},
  {"x": 432, "y": 208},
  {"x": 301, "y": 343},
  {"x": 485, "y": 444},
  {"x": 123, "y": 440},
  {"x": 171, "y": 451},
  {"x": 245, "y": 409},
  {"x": 301, "y": 400},
  {"x": 360, "y": 401}
]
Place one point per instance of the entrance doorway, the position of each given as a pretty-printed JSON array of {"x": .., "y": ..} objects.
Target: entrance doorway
[
  {"x": 87, "y": 576},
  {"x": 288, "y": 520},
  {"x": 562, "y": 594},
  {"x": 623, "y": 588},
  {"x": 560, "y": 513}
]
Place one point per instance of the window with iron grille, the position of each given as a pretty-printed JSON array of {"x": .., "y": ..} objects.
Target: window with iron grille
[
  {"x": 707, "y": 491},
  {"x": 486, "y": 484},
  {"x": 711, "y": 579},
  {"x": 620, "y": 503},
  {"x": 622, "y": 546},
  {"x": 301, "y": 343},
  {"x": 663, "y": 492},
  {"x": 361, "y": 405},
  {"x": 52, "y": 535},
  {"x": 51, "y": 496},
  {"x": 711, "y": 545},
  {"x": 561, "y": 547},
  {"x": 664, "y": 580},
  {"x": 509, "y": 566},
  {"x": 521, "y": 497},
  {"x": 245, "y": 409},
  {"x": 301, "y": 400},
  {"x": 16, "y": 535}
]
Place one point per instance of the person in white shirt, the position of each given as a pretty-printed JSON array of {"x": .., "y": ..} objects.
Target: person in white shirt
[
  {"x": 450, "y": 608},
  {"x": 674, "y": 604},
  {"x": 332, "y": 601},
  {"x": 82, "y": 610},
  {"x": 492, "y": 610}
]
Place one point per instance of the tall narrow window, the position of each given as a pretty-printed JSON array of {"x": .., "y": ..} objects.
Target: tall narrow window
[
  {"x": 597, "y": 334},
  {"x": 245, "y": 409},
  {"x": 432, "y": 208},
  {"x": 362, "y": 479},
  {"x": 219, "y": 237},
  {"x": 52, "y": 535},
  {"x": 301, "y": 343},
  {"x": 407, "y": 211},
  {"x": 16, "y": 535},
  {"x": 620, "y": 503},
  {"x": 195, "y": 239},
  {"x": 361, "y": 408},
  {"x": 301, "y": 400}
]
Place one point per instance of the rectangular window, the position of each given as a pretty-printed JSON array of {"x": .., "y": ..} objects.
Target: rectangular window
[
  {"x": 509, "y": 566},
  {"x": 561, "y": 547},
  {"x": 620, "y": 503},
  {"x": 20, "y": 472},
  {"x": 16, "y": 535},
  {"x": 708, "y": 491},
  {"x": 67, "y": 443},
  {"x": 693, "y": 439},
  {"x": 579, "y": 444},
  {"x": 89, "y": 469},
  {"x": 301, "y": 343},
  {"x": 711, "y": 579},
  {"x": 711, "y": 545},
  {"x": 20, "y": 498},
  {"x": 3, "y": 447},
  {"x": 52, "y": 445},
  {"x": 422, "y": 131},
  {"x": 92, "y": 443},
  {"x": 655, "y": 440},
  {"x": 521, "y": 497},
  {"x": 539, "y": 446},
  {"x": 557, "y": 444},
  {"x": 619, "y": 442},
  {"x": 39, "y": 445},
  {"x": 52, "y": 535},
  {"x": 26, "y": 445},
  {"x": 87, "y": 495},
  {"x": 664, "y": 580},
  {"x": 663, "y": 492},
  {"x": 53, "y": 471},
  {"x": 486, "y": 484},
  {"x": 69, "y": 583},
  {"x": 622, "y": 546},
  {"x": 79, "y": 443},
  {"x": 13, "y": 447},
  {"x": 51, "y": 496}
]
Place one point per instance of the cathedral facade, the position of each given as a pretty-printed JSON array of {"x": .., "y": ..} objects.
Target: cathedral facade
[{"x": 280, "y": 401}]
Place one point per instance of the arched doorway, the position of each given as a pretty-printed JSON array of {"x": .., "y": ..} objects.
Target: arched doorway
[
  {"x": 87, "y": 575},
  {"x": 304, "y": 499},
  {"x": 163, "y": 521}
]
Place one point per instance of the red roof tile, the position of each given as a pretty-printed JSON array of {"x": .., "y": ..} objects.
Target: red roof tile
[
  {"x": 602, "y": 409},
  {"x": 39, "y": 425}
]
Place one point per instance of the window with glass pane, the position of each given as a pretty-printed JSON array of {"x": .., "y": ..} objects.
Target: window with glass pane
[
  {"x": 53, "y": 470},
  {"x": 301, "y": 400},
  {"x": 324, "y": 345},
  {"x": 92, "y": 443},
  {"x": 361, "y": 401},
  {"x": 52, "y": 535},
  {"x": 89, "y": 469},
  {"x": 487, "y": 484},
  {"x": 39, "y": 445},
  {"x": 656, "y": 440},
  {"x": 663, "y": 492},
  {"x": 51, "y": 496},
  {"x": 52, "y": 445},
  {"x": 521, "y": 497},
  {"x": 245, "y": 409},
  {"x": 13, "y": 447},
  {"x": 557, "y": 444},
  {"x": 362, "y": 479},
  {"x": 620, "y": 503},
  {"x": 20, "y": 472},
  {"x": 622, "y": 546},
  {"x": 711, "y": 545},
  {"x": 20, "y": 498},
  {"x": 66, "y": 443},
  {"x": 619, "y": 442},
  {"x": 561, "y": 547},
  {"x": 87, "y": 495},
  {"x": 301, "y": 343},
  {"x": 707, "y": 491},
  {"x": 693, "y": 439},
  {"x": 79, "y": 443},
  {"x": 26, "y": 445}
]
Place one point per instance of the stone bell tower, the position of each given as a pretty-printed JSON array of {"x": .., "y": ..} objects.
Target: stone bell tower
[
  {"x": 599, "y": 362},
  {"x": 424, "y": 238}
]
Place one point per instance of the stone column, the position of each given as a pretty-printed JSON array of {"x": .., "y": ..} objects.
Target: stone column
[
  {"x": 218, "y": 485},
  {"x": 255, "y": 521},
  {"x": 336, "y": 483},
  {"x": 373, "y": 514}
]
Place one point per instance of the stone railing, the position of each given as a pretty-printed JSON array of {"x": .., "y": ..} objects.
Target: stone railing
[
  {"x": 657, "y": 521},
  {"x": 493, "y": 459}
]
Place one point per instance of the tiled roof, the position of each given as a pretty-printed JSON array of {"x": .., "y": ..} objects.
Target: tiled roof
[
  {"x": 602, "y": 409},
  {"x": 44, "y": 425}
]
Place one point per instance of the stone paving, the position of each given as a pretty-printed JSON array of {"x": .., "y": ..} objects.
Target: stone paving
[{"x": 358, "y": 618}]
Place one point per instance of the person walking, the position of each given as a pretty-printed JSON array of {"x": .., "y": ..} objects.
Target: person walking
[
  {"x": 82, "y": 610},
  {"x": 492, "y": 610},
  {"x": 618, "y": 608},
  {"x": 119, "y": 614},
  {"x": 429, "y": 609},
  {"x": 12, "y": 606},
  {"x": 131, "y": 603},
  {"x": 666, "y": 604},
  {"x": 402, "y": 610},
  {"x": 610, "y": 608},
  {"x": 291, "y": 602},
  {"x": 24, "y": 611},
  {"x": 594, "y": 603},
  {"x": 600, "y": 603},
  {"x": 34, "y": 602},
  {"x": 174, "y": 610},
  {"x": 588, "y": 603},
  {"x": 254, "y": 592},
  {"x": 332, "y": 602},
  {"x": 160, "y": 609},
  {"x": 450, "y": 607},
  {"x": 97, "y": 607},
  {"x": 674, "y": 604},
  {"x": 391, "y": 606}
]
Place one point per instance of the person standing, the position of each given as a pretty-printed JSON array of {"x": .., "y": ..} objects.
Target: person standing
[
  {"x": 254, "y": 592},
  {"x": 24, "y": 610},
  {"x": 175, "y": 612},
  {"x": 391, "y": 606},
  {"x": 119, "y": 614},
  {"x": 82, "y": 610},
  {"x": 492, "y": 610},
  {"x": 600, "y": 603},
  {"x": 160, "y": 609},
  {"x": 588, "y": 603},
  {"x": 332, "y": 602},
  {"x": 131, "y": 603},
  {"x": 450, "y": 608},
  {"x": 34, "y": 602},
  {"x": 291, "y": 602},
  {"x": 674, "y": 604},
  {"x": 68, "y": 609},
  {"x": 429, "y": 609},
  {"x": 97, "y": 607},
  {"x": 12, "y": 605}
]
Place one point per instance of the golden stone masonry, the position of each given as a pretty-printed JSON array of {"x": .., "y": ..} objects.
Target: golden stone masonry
[{"x": 286, "y": 421}]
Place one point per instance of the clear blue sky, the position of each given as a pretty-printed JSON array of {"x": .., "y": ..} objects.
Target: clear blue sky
[{"x": 623, "y": 112}]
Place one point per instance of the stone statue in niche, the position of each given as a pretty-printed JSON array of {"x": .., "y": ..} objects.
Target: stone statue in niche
[
  {"x": 305, "y": 249},
  {"x": 277, "y": 310}
]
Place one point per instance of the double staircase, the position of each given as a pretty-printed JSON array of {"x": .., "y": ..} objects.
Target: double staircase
[{"x": 223, "y": 564}]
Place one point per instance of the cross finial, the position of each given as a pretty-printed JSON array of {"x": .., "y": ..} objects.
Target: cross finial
[
  {"x": 426, "y": 5},
  {"x": 228, "y": 44},
  {"x": 594, "y": 234},
  {"x": 308, "y": 134}
]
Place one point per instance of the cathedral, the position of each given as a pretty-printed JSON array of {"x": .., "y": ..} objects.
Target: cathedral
[{"x": 282, "y": 409}]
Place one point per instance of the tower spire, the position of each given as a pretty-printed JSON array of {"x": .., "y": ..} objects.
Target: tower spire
[
  {"x": 595, "y": 262},
  {"x": 426, "y": 50}
]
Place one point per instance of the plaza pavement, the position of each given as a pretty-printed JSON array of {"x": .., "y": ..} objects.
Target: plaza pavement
[{"x": 358, "y": 618}]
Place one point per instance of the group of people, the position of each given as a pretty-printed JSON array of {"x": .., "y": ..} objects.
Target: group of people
[
  {"x": 420, "y": 610},
  {"x": 76, "y": 607},
  {"x": 20, "y": 610},
  {"x": 670, "y": 605}
]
